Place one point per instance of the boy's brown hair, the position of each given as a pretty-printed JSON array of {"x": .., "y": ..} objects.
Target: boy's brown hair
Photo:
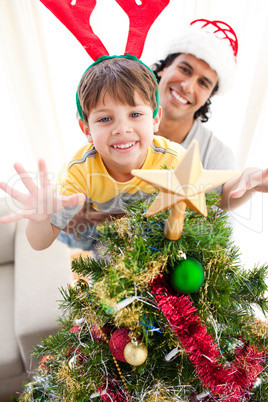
[{"x": 121, "y": 78}]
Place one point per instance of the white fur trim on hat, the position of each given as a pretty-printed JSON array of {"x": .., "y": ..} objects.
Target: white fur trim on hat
[{"x": 214, "y": 51}]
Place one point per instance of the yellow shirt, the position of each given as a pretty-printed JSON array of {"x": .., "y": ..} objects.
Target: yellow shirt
[{"x": 87, "y": 174}]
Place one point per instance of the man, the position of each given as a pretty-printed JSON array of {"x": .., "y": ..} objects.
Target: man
[{"x": 198, "y": 65}]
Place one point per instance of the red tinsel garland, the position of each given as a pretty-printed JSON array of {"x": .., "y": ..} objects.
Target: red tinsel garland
[
  {"x": 234, "y": 382},
  {"x": 113, "y": 392}
]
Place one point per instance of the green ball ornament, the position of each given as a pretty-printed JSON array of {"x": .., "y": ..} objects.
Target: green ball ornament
[{"x": 187, "y": 276}]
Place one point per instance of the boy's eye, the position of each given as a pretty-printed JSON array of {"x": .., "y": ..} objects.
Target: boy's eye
[
  {"x": 135, "y": 114},
  {"x": 104, "y": 119}
]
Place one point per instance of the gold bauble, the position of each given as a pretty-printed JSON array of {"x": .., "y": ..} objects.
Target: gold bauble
[
  {"x": 73, "y": 362},
  {"x": 135, "y": 353},
  {"x": 79, "y": 284}
]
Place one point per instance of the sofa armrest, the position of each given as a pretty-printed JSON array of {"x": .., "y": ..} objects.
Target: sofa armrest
[{"x": 38, "y": 277}]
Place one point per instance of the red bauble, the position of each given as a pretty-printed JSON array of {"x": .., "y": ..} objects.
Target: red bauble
[
  {"x": 119, "y": 339},
  {"x": 45, "y": 362},
  {"x": 98, "y": 333},
  {"x": 75, "y": 329}
]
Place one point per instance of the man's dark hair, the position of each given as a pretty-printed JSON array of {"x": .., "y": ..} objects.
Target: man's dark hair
[{"x": 204, "y": 111}]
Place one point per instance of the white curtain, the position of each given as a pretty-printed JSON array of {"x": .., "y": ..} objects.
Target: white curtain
[{"x": 41, "y": 63}]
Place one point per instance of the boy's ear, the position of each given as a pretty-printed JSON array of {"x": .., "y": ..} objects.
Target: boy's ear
[
  {"x": 84, "y": 127},
  {"x": 157, "y": 119}
]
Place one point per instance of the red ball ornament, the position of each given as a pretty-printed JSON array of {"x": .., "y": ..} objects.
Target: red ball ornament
[
  {"x": 99, "y": 333},
  {"x": 75, "y": 329},
  {"x": 119, "y": 339},
  {"x": 45, "y": 362}
]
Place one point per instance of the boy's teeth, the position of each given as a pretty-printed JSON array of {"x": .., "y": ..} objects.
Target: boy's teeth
[
  {"x": 178, "y": 97},
  {"x": 122, "y": 146}
]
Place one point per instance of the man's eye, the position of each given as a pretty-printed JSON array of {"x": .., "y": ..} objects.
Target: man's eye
[
  {"x": 135, "y": 114},
  {"x": 104, "y": 119},
  {"x": 204, "y": 83},
  {"x": 184, "y": 70}
]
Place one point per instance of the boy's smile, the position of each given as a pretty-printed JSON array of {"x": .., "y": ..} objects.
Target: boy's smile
[
  {"x": 125, "y": 146},
  {"x": 121, "y": 133}
]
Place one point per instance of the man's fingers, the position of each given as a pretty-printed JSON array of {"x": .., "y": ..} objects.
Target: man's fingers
[{"x": 237, "y": 193}]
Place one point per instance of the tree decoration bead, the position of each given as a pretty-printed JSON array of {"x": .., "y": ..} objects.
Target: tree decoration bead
[
  {"x": 187, "y": 276},
  {"x": 135, "y": 353}
]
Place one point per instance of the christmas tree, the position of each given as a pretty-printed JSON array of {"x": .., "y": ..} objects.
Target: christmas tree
[{"x": 133, "y": 330}]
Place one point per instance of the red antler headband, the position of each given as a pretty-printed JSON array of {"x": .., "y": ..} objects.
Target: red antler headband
[
  {"x": 75, "y": 15},
  {"x": 216, "y": 43}
]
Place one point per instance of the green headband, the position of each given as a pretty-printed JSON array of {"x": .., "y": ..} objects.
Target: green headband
[{"x": 125, "y": 56}]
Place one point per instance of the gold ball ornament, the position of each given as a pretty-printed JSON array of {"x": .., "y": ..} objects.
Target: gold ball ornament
[
  {"x": 135, "y": 353},
  {"x": 74, "y": 362},
  {"x": 79, "y": 284}
]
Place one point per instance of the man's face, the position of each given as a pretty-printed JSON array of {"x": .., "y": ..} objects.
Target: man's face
[{"x": 185, "y": 86}]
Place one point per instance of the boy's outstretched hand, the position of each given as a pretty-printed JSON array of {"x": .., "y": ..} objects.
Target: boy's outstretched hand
[{"x": 40, "y": 202}]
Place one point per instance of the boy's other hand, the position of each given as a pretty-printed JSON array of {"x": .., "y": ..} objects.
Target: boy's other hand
[
  {"x": 86, "y": 217},
  {"x": 40, "y": 202}
]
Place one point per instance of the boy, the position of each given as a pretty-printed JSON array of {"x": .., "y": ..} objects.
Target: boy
[
  {"x": 117, "y": 104},
  {"x": 119, "y": 116}
]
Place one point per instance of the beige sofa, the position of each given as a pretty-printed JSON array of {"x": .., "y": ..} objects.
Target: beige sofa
[{"x": 29, "y": 291}]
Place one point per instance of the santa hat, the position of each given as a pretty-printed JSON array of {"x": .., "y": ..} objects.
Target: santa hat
[{"x": 216, "y": 43}]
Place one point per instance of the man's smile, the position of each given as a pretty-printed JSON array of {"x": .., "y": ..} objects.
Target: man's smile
[{"x": 178, "y": 97}]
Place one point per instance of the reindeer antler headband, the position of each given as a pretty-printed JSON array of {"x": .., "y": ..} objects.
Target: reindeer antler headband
[{"x": 75, "y": 15}]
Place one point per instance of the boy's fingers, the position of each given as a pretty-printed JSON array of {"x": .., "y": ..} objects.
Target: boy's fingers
[
  {"x": 44, "y": 182},
  {"x": 26, "y": 179},
  {"x": 17, "y": 195},
  {"x": 10, "y": 218},
  {"x": 74, "y": 199}
]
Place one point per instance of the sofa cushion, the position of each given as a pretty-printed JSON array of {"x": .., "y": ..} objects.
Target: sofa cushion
[
  {"x": 10, "y": 360},
  {"x": 38, "y": 277},
  {"x": 7, "y": 234}
]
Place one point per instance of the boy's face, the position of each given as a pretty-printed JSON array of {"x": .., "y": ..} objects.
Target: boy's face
[
  {"x": 185, "y": 86},
  {"x": 121, "y": 134}
]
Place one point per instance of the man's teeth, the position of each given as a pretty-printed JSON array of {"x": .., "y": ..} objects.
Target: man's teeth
[
  {"x": 122, "y": 146},
  {"x": 179, "y": 98}
]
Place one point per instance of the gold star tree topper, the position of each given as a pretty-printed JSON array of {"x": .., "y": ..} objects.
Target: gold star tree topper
[{"x": 182, "y": 187}]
